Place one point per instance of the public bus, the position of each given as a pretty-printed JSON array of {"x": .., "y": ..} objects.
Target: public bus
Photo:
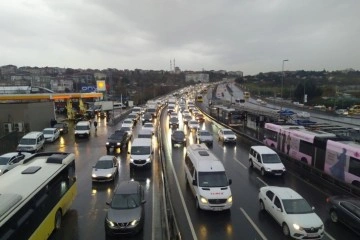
[
  {"x": 199, "y": 98},
  {"x": 35, "y": 196},
  {"x": 246, "y": 95},
  {"x": 318, "y": 149}
]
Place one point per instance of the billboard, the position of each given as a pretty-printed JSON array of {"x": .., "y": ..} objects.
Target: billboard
[{"x": 101, "y": 86}]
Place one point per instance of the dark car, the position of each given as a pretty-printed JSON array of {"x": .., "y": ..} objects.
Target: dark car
[
  {"x": 178, "y": 137},
  {"x": 126, "y": 210},
  {"x": 147, "y": 118},
  {"x": 200, "y": 117},
  {"x": 186, "y": 119},
  {"x": 173, "y": 122},
  {"x": 345, "y": 209},
  {"x": 134, "y": 117},
  {"x": 62, "y": 127},
  {"x": 119, "y": 139}
]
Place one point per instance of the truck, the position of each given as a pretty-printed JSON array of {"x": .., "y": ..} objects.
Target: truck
[{"x": 105, "y": 105}]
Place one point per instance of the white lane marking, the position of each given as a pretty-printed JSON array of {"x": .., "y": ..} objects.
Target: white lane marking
[
  {"x": 241, "y": 164},
  {"x": 262, "y": 181},
  {"x": 253, "y": 224},
  {"x": 153, "y": 207},
  {"x": 329, "y": 236},
  {"x": 183, "y": 203}
]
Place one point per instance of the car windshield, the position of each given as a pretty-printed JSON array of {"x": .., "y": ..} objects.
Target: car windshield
[
  {"x": 296, "y": 206},
  {"x": 173, "y": 120},
  {"x": 193, "y": 122},
  {"x": 81, "y": 127},
  {"x": 228, "y": 132},
  {"x": 59, "y": 125},
  {"x": 27, "y": 141},
  {"x": 48, "y": 132},
  {"x": 204, "y": 133},
  {"x": 140, "y": 150},
  {"x": 145, "y": 135},
  {"x": 271, "y": 158},
  {"x": 125, "y": 201},
  {"x": 148, "y": 125},
  {"x": 179, "y": 134},
  {"x": 4, "y": 160},
  {"x": 128, "y": 121},
  {"x": 126, "y": 129},
  {"x": 104, "y": 164},
  {"x": 212, "y": 179}
]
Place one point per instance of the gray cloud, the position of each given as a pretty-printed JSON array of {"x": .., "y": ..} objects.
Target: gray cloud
[{"x": 252, "y": 36}]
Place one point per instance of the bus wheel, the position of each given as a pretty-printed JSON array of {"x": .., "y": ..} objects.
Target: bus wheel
[{"x": 58, "y": 220}]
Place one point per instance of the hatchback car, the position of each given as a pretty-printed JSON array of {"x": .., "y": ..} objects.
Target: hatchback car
[
  {"x": 128, "y": 122},
  {"x": 51, "y": 134},
  {"x": 105, "y": 169},
  {"x": 10, "y": 160},
  {"x": 227, "y": 135},
  {"x": 126, "y": 210},
  {"x": 193, "y": 124},
  {"x": 173, "y": 122},
  {"x": 178, "y": 137},
  {"x": 345, "y": 209},
  {"x": 292, "y": 212},
  {"x": 63, "y": 127},
  {"x": 204, "y": 136},
  {"x": 186, "y": 118},
  {"x": 147, "y": 118}
]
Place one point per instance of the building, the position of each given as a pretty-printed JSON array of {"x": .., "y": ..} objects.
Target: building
[{"x": 197, "y": 77}]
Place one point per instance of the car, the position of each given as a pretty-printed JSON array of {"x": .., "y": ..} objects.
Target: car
[
  {"x": 266, "y": 160},
  {"x": 292, "y": 212},
  {"x": 125, "y": 214},
  {"x": 227, "y": 135},
  {"x": 135, "y": 117},
  {"x": 185, "y": 112},
  {"x": 51, "y": 134},
  {"x": 204, "y": 136},
  {"x": 345, "y": 209},
  {"x": 105, "y": 169},
  {"x": 149, "y": 126},
  {"x": 303, "y": 115},
  {"x": 63, "y": 127},
  {"x": 32, "y": 142},
  {"x": 10, "y": 160},
  {"x": 119, "y": 139},
  {"x": 173, "y": 122},
  {"x": 193, "y": 125},
  {"x": 145, "y": 133},
  {"x": 128, "y": 122},
  {"x": 186, "y": 118},
  {"x": 199, "y": 117},
  {"x": 147, "y": 118},
  {"x": 128, "y": 130},
  {"x": 178, "y": 137}
]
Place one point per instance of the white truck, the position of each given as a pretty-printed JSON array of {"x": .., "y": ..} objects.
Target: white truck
[{"x": 105, "y": 105}]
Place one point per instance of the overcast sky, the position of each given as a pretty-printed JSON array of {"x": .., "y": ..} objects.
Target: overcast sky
[{"x": 251, "y": 36}]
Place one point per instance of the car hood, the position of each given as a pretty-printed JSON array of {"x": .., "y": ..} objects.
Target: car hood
[
  {"x": 124, "y": 215},
  {"x": 206, "y": 138},
  {"x": 305, "y": 220},
  {"x": 274, "y": 166},
  {"x": 229, "y": 136},
  {"x": 103, "y": 172},
  {"x": 140, "y": 157},
  {"x": 49, "y": 135}
]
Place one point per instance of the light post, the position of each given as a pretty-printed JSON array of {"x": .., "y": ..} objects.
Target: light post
[
  {"x": 305, "y": 97},
  {"x": 282, "y": 79}
]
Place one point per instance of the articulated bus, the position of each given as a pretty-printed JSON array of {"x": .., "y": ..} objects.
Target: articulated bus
[
  {"x": 325, "y": 151},
  {"x": 34, "y": 196},
  {"x": 199, "y": 98}
]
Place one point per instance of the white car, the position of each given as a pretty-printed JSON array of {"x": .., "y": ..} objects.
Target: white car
[
  {"x": 303, "y": 115},
  {"x": 128, "y": 122},
  {"x": 266, "y": 160},
  {"x": 105, "y": 169},
  {"x": 51, "y": 134},
  {"x": 193, "y": 124},
  {"x": 227, "y": 135},
  {"x": 149, "y": 126},
  {"x": 10, "y": 160},
  {"x": 292, "y": 212}
]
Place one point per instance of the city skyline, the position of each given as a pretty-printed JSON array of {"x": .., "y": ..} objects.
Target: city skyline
[{"x": 248, "y": 36}]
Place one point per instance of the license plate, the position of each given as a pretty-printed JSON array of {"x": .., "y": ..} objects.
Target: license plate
[
  {"x": 217, "y": 208},
  {"x": 277, "y": 174},
  {"x": 312, "y": 235}
]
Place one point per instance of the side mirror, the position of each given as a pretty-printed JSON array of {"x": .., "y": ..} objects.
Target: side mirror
[
  {"x": 279, "y": 209},
  {"x": 313, "y": 208},
  {"x": 230, "y": 181},
  {"x": 143, "y": 201},
  {"x": 108, "y": 203}
]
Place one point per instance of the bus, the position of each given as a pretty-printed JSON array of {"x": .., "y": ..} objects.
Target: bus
[
  {"x": 35, "y": 196},
  {"x": 246, "y": 95},
  {"x": 337, "y": 156},
  {"x": 199, "y": 98}
]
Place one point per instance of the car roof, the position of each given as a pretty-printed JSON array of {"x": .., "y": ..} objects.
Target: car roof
[
  {"x": 106, "y": 158},
  {"x": 263, "y": 150},
  {"x": 342, "y": 198},
  {"x": 127, "y": 187},
  {"x": 11, "y": 154},
  {"x": 284, "y": 192},
  {"x": 50, "y": 129},
  {"x": 32, "y": 134}
]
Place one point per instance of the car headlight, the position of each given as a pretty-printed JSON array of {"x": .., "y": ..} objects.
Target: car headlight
[
  {"x": 268, "y": 169},
  {"x": 229, "y": 200},
  {"x": 107, "y": 143},
  {"x": 118, "y": 144},
  {"x": 94, "y": 175},
  {"x": 108, "y": 175},
  {"x": 203, "y": 200},
  {"x": 131, "y": 160},
  {"x": 110, "y": 223},
  {"x": 284, "y": 169},
  {"x": 297, "y": 227},
  {"x": 135, "y": 222},
  {"x": 148, "y": 160}
]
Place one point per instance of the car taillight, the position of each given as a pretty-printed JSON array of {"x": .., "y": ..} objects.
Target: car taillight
[{"x": 327, "y": 199}]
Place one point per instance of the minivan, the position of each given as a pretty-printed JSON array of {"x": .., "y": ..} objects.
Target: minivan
[
  {"x": 266, "y": 160},
  {"x": 82, "y": 129},
  {"x": 141, "y": 153},
  {"x": 207, "y": 178},
  {"x": 31, "y": 142}
]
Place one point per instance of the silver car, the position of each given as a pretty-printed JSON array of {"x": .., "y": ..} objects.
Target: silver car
[
  {"x": 204, "y": 136},
  {"x": 126, "y": 210},
  {"x": 106, "y": 169},
  {"x": 10, "y": 160}
]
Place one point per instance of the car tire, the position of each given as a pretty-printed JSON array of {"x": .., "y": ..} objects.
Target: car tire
[
  {"x": 197, "y": 206},
  {"x": 251, "y": 163},
  {"x": 285, "y": 230},
  {"x": 262, "y": 206},
  {"x": 333, "y": 216}
]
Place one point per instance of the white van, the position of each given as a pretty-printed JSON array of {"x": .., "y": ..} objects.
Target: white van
[
  {"x": 82, "y": 129},
  {"x": 266, "y": 160},
  {"x": 141, "y": 153},
  {"x": 31, "y": 142},
  {"x": 207, "y": 179}
]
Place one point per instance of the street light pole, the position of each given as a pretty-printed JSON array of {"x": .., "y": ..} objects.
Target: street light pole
[{"x": 282, "y": 79}]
